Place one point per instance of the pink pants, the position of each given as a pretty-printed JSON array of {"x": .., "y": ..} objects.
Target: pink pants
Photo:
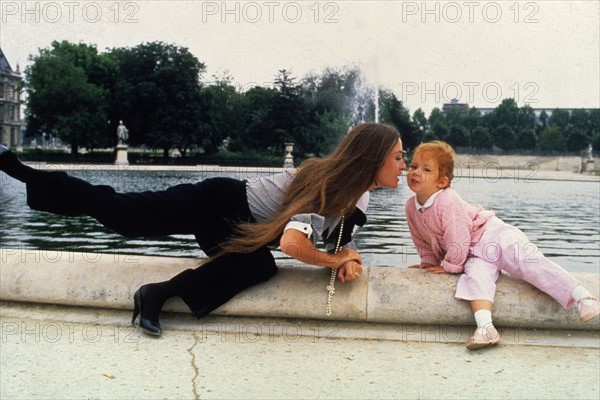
[{"x": 505, "y": 247}]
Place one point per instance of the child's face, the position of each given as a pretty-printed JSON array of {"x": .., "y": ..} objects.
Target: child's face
[{"x": 422, "y": 177}]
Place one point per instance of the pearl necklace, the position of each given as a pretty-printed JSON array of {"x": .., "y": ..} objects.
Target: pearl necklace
[{"x": 331, "y": 287}]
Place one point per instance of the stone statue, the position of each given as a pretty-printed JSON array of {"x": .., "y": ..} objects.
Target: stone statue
[
  {"x": 122, "y": 133},
  {"x": 589, "y": 152}
]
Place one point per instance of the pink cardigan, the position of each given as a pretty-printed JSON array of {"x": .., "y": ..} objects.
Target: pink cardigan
[{"x": 444, "y": 231}]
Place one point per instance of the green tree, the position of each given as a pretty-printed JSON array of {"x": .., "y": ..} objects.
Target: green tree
[
  {"x": 595, "y": 127},
  {"x": 507, "y": 113},
  {"x": 510, "y": 115},
  {"x": 525, "y": 119},
  {"x": 481, "y": 138},
  {"x": 504, "y": 137},
  {"x": 65, "y": 96},
  {"x": 542, "y": 122},
  {"x": 580, "y": 120},
  {"x": 458, "y": 136},
  {"x": 527, "y": 139},
  {"x": 420, "y": 123},
  {"x": 226, "y": 113},
  {"x": 430, "y": 136},
  {"x": 559, "y": 119},
  {"x": 551, "y": 139},
  {"x": 454, "y": 117},
  {"x": 329, "y": 131},
  {"x": 394, "y": 113},
  {"x": 473, "y": 119},
  {"x": 596, "y": 142},
  {"x": 440, "y": 130},
  {"x": 594, "y": 121},
  {"x": 439, "y": 127},
  {"x": 576, "y": 139},
  {"x": 288, "y": 115},
  {"x": 159, "y": 96},
  {"x": 544, "y": 118},
  {"x": 436, "y": 118},
  {"x": 259, "y": 133}
]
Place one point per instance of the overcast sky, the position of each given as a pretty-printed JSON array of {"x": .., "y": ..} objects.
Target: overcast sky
[{"x": 542, "y": 53}]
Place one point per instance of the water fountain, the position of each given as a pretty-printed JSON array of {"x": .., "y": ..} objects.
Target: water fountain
[{"x": 376, "y": 103}]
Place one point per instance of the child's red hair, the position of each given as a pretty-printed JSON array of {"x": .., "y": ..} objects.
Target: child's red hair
[{"x": 443, "y": 154}]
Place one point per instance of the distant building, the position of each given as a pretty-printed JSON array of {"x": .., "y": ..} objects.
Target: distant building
[
  {"x": 537, "y": 111},
  {"x": 462, "y": 107},
  {"x": 10, "y": 103}
]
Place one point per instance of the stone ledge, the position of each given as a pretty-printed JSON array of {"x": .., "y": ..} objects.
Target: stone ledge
[{"x": 382, "y": 294}]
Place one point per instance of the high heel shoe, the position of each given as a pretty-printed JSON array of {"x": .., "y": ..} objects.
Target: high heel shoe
[{"x": 146, "y": 325}]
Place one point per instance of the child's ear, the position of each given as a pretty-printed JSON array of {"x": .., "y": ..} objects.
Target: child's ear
[{"x": 443, "y": 182}]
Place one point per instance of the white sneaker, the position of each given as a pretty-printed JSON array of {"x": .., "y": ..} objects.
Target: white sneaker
[
  {"x": 3, "y": 149},
  {"x": 484, "y": 336},
  {"x": 589, "y": 308}
]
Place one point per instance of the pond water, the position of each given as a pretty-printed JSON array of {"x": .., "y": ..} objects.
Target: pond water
[{"x": 561, "y": 217}]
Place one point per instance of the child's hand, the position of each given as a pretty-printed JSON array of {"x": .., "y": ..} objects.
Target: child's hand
[
  {"x": 421, "y": 266},
  {"x": 434, "y": 269}
]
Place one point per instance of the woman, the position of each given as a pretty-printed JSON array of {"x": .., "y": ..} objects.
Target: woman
[{"x": 235, "y": 221}]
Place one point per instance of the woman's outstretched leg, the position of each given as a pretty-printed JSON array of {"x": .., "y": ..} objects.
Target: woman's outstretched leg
[
  {"x": 181, "y": 209},
  {"x": 52, "y": 191},
  {"x": 150, "y": 213}
]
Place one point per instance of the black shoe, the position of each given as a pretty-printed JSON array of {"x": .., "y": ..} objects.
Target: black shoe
[{"x": 146, "y": 325}]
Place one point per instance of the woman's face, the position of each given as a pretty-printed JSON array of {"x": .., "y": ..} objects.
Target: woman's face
[{"x": 389, "y": 174}]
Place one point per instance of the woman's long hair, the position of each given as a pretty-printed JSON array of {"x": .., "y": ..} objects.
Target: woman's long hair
[{"x": 324, "y": 186}]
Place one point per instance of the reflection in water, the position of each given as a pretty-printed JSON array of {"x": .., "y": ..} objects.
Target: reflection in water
[{"x": 561, "y": 218}]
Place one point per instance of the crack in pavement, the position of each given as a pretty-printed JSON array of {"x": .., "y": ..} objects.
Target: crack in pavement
[{"x": 193, "y": 363}]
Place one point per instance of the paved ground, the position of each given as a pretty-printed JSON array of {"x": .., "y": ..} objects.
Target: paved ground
[{"x": 50, "y": 352}]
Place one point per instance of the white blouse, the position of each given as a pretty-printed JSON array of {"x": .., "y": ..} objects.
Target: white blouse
[{"x": 265, "y": 195}]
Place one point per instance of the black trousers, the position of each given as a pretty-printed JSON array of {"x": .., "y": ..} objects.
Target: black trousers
[{"x": 209, "y": 210}]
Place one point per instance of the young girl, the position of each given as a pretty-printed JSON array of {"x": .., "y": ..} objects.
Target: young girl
[
  {"x": 236, "y": 221},
  {"x": 452, "y": 236}
]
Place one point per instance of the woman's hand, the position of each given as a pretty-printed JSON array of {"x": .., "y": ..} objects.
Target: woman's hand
[
  {"x": 345, "y": 255},
  {"x": 350, "y": 271},
  {"x": 434, "y": 269},
  {"x": 297, "y": 245}
]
